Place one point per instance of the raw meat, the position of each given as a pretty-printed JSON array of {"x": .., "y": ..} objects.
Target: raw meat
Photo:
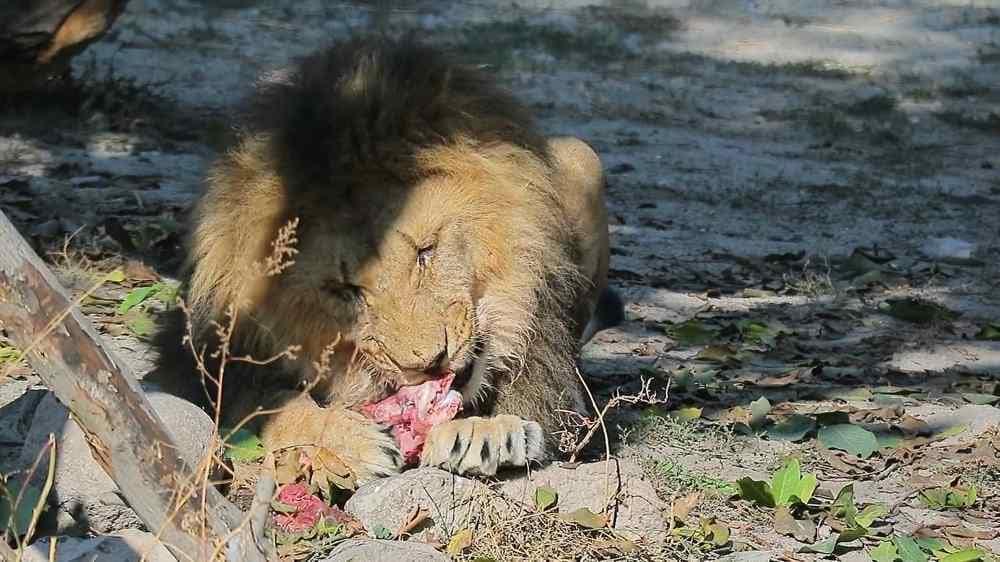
[{"x": 414, "y": 410}]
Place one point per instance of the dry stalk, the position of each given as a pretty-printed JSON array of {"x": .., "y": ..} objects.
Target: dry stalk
[{"x": 36, "y": 512}]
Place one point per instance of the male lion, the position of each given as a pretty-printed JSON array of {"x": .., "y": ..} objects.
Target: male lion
[{"x": 438, "y": 232}]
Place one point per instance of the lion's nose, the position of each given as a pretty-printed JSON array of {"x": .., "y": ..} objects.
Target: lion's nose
[{"x": 424, "y": 366}]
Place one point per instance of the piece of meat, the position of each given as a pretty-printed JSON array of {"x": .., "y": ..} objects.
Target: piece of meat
[{"x": 413, "y": 410}]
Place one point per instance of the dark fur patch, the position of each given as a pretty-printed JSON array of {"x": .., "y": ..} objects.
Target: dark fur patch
[
  {"x": 366, "y": 105},
  {"x": 610, "y": 309}
]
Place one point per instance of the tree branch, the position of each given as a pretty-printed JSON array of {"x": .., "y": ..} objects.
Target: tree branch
[{"x": 124, "y": 433}]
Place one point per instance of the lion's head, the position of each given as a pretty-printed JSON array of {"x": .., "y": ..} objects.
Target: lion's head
[{"x": 428, "y": 236}]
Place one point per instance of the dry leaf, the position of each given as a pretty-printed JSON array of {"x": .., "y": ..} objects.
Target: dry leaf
[
  {"x": 803, "y": 530},
  {"x": 138, "y": 271},
  {"x": 459, "y": 542},
  {"x": 328, "y": 470},
  {"x": 585, "y": 518},
  {"x": 683, "y": 506}
]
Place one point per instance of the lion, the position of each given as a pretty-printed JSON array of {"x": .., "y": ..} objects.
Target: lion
[{"x": 437, "y": 232}]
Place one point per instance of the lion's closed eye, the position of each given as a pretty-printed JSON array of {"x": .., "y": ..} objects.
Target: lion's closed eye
[{"x": 344, "y": 291}]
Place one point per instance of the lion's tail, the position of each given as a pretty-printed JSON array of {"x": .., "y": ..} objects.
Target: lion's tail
[{"x": 610, "y": 312}]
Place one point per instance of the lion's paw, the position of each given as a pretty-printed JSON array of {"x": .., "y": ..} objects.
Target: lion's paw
[
  {"x": 367, "y": 448},
  {"x": 482, "y": 445},
  {"x": 370, "y": 451}
]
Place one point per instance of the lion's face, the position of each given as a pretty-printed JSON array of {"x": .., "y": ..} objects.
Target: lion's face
[{"x": 394, "y": 273}]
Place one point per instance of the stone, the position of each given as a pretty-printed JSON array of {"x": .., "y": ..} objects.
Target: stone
[
  {"x": 977, "y": 419},
  {"x": 128, "y": 545},
  {"x": 367, "y": 550},
  {"x": 453, "y": 502},
  {"x": 17, "y": 408},
  {"x": 85, "y": 497},
  {"x": 637, "y": 514},
  {"x": 386, "y": 503}
]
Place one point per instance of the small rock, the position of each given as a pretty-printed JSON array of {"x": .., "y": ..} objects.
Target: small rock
[
  {"x": 16, "y": 415},
  {"x": 367, "y": 550},
  {"x": 977, "y": 420},
  {"x": 590, "y": 485},
  {"x": 387, "y": 502},
  {"x": 128, "y": 545},
  {"x": 86, "y": 497}
]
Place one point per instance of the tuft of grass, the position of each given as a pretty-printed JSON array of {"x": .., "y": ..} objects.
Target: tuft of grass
[{"x": 667, "y": 474}]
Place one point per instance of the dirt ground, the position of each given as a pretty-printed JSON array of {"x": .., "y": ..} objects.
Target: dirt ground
[{"x": 804, "y": 198}]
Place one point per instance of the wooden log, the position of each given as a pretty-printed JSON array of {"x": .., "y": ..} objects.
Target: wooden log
[
  {"x": 124, "y": 433},
  {"x": 38, "y": 38}
]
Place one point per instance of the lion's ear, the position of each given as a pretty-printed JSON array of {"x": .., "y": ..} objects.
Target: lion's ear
[{"x": 238, "y": 218}]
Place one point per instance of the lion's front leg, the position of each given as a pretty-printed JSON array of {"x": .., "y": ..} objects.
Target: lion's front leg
[
  {"x": 529, "y": 412},
  {"x": 367, "y": 448}
]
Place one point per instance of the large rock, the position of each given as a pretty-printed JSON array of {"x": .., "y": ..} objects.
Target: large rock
[
  {"x": 367, "y": 550},
  {"x": 86, "y": 499},
  {"x": 388, "y": 502},
  {"x": 453, "y": 502},
  {"x": 129, "y": 545},
  {"x": 636, "y": 509}
]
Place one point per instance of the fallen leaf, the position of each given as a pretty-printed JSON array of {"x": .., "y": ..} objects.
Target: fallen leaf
[
  {"x": 691, "y": 332},
  {"x": 139, "y": 322},
  {"x": 685, "y": 413},
  {"x": 329, "y": 471},
  {"x": 722, "y": 354},
  {"x": 990, "y": 332},
  {"x": 459, "y": 542},
  {"x": 945, "y": 497},
  {"x": 137, "y": 296},
  {"x": 755, "y": 491},
  {"x": 909, "y": 551},
  {"x": 951, "y": 431},
  {"x": 244, "y": 446},
  {"x": 793, "y": 428},
  {"x": 116, "y": 276},
  {"x": 826, "y": 546},
  {"x": 586, "y": 518},
  {"x": 682, "y": 507},
  {"x": 759, "y": 409},
  {"x": 965, "y": 555},
  {"x": 884, "y": 552},
  {"x": 804, "y": 530},
  {"x": 715, "y": 533},
  {"x": 850, "y": 438},
  {"x": 545, "y": 497},
  {"x": 791, "y": 377},
  {"x": 870, "y": 514}
]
